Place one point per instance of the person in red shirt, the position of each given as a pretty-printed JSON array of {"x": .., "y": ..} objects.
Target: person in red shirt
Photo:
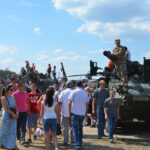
[
  {"x": 27, "y": 65},
  {"x": 33, "y": 66},
  {"x": 111, "y": 65},
  {"x": 49, "y": 71},
  {"x": 33, "y": 112}
]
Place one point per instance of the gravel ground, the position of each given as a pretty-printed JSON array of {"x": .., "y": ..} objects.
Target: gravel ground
[
  {"x": 133, "y": 137},
  {"x": 131, "y": 141}
]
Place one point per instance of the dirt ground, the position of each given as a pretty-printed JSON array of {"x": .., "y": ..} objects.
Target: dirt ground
[{"x": 132, "y": 137}]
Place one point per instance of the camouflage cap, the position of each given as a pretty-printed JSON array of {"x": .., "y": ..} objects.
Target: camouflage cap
[{"x": 117, "y": 40}]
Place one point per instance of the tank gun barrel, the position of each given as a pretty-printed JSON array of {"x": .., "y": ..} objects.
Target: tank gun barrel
[
  {"x": 63, "y": 71},
  {"x": 88, "y": 76},
  {"x": 109, "y": 55},
  {"x": 77, "y": 75},
  {"x": 107, "y": 74}
]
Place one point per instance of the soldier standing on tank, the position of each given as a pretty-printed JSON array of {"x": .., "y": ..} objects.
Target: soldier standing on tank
[{"x": 120, "y": 62}]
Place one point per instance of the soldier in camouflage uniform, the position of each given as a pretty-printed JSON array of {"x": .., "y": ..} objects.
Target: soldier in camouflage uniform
[{"x": 120, "y": 62}]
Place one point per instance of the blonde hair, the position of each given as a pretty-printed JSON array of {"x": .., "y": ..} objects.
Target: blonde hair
[
  {"x": 112, "y": 91},
  {"x": 87, "y": 89}
]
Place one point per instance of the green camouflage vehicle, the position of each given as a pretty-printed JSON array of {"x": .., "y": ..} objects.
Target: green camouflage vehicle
[{"x": 135, "y": 99}]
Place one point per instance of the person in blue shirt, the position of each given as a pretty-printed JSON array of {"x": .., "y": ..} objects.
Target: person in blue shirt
[{"x": 111, "y": 109}]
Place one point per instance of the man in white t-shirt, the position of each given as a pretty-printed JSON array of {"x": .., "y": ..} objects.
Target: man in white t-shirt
[
  {"x": 78, "y": 107},
  {"x": 64, "y": 104},
  {"x": 128, "y": 54}
]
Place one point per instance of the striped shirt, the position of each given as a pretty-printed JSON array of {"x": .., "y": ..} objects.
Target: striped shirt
[{"x": 79, "y": 100}]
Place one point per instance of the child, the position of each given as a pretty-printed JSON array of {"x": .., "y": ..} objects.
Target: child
[
  {"x": 33, "y": 112},
  {"x": 111, "y": 109},
  {"x": 89, "y": 113}
]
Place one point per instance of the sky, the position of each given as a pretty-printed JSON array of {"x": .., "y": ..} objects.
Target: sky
[{"x": 71, "y": 31}]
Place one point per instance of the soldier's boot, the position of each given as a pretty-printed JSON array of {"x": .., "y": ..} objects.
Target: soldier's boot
[{"x": 122, "y": 87}]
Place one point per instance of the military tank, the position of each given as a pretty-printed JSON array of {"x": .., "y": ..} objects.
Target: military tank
[
  {"x": 40, "y": 80},
  {"x": 135, "y": 99}
]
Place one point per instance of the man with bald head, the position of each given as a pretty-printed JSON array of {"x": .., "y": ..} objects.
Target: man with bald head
[{"x": 100, "y": 95}]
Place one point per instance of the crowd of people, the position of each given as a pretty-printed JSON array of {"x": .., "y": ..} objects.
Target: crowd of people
[
  {"x": 68, "y": 106},
  {"x": 50, "y": 72}
]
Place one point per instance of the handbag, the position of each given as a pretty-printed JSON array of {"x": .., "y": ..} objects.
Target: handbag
[
  {"x": 11, "y": 109},
  {"x": 38, "y": 132}
]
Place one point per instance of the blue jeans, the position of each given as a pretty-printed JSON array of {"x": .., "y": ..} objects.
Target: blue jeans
[
  {"x": 50, "y": 124},
  {"x": 111, "y": 126},
  {"x": 49, "y": 75},
  {"x": 100, "y": 121},
  {"x": 21, "y": 124},
  {"x": 32, "y": 120},
  {"x": 77, "y": 127}
]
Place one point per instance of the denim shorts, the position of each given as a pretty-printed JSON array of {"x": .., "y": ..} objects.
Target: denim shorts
[
  {"x": 32, "y": 120},
  {"x": 50, "y": 124}
]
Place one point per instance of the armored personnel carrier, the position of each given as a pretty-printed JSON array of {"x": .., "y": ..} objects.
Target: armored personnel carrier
[{"x": 135, "y": 99}]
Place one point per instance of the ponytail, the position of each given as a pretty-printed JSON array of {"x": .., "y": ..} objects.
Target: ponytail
[
  {"x": 49, "y": 97},
  {"x": 3, "y": 91}
]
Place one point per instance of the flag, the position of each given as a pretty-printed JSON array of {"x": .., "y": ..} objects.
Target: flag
[{"x": 7, "y": 69}]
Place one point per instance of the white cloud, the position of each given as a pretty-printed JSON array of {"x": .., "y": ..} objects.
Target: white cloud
[
  {"x": 125, "y": 31},
  {"x": 43, "y": 57},
  {"x": 78, "y": 57},
  {"x": 70, "y": 53},
  {"x": 96, "y": 51},
  {"x": 13, "y": 18},
  {"x": 46, "y": 59},
  {"x": 125, "y": 19},
  {"x": 58, "y": 51},
  {"x": 5, "y": 49},
  {"x": 7, "y": 61},
  {"x": 37, "y": 30},
  {"x": 59, "y": 59},
  {"x": 29, "y": 4},
  {"x": 147, "y": 54},
  {"x": 13, "y": 50}
]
